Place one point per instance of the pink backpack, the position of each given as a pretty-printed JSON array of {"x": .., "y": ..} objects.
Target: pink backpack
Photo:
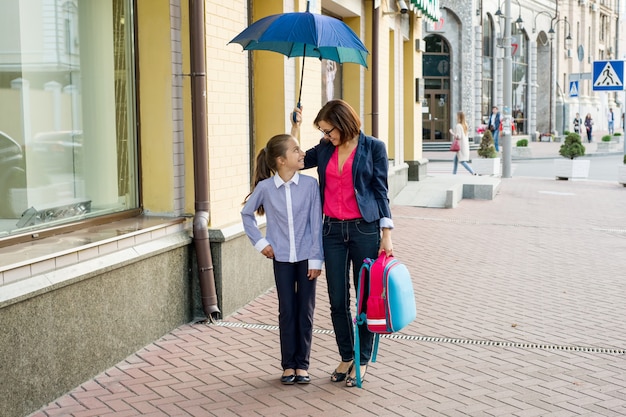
[{"x": 390, "y": 302}]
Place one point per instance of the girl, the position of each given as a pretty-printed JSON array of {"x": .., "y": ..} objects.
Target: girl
[
  {"x": 460, "y": 133},
  {"x": 291, "y": 203}
]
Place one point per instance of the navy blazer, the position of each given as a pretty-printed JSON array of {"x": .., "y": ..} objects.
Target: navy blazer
[{"x": 369, "y": 174}]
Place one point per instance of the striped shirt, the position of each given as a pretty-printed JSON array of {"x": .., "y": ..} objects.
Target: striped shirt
[{"x": 294, "y": 219}]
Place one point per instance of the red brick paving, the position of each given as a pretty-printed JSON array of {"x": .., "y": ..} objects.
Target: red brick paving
[{"x": 541, "y": 265}]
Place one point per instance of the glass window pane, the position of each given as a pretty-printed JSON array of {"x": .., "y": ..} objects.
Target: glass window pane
[{"x": 67, "y": 99}]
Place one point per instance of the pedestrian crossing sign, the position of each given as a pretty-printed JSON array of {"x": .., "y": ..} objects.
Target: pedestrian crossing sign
[
  {"x": 608, "y": 75},
  {"x": 573, "y": 88}
]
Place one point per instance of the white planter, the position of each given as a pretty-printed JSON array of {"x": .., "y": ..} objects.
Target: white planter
[
  {"x": 486, "y": 166},
  {"x": 616, "y": 139},
  {"x": 521, "y": 152},
  {"x": 604, "y": 146},
  {"x": 621, "y": 175},
  {"x": 571, "y": 168}
]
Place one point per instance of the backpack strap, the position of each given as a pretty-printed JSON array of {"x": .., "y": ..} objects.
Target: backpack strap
[{"x": 360, "y": 318}]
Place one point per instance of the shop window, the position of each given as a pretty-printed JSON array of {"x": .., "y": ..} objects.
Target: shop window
[{"x": 67, "y": 113}]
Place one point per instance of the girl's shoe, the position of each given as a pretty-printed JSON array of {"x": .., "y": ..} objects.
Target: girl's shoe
[
  {"x": 337, "y": 376},
  {"x": 351, "y": 379}
]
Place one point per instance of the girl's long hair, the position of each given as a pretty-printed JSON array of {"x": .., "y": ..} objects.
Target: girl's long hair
[{"x": 266, "y": 162}]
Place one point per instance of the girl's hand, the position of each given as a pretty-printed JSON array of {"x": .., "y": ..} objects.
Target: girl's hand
[
  {"x": 313, "y": 273},
  {"x": 268, "y": 252}
]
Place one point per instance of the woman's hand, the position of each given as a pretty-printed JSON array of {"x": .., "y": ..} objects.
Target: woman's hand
[
  {"x": 385, "y": 243},
  {"x": 296, "y": 120}
]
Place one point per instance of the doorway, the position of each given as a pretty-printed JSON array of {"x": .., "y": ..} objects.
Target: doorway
[
  {"x": 436, "y": 116},
  {"x": 436, "y": 105}
]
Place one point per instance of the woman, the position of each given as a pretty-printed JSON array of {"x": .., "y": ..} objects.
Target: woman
[
  {"x": 352, "y": 170},
  {"x": 577, "y": 123},
  {"x": 463, "y": 154},
  {"x": 589, "y": 126}
]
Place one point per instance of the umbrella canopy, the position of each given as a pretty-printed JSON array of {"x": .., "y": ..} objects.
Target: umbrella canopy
[{"x": 304, "y": 34}]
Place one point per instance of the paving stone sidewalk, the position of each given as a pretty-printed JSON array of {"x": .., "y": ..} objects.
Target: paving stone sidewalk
[{"x": 520, "y": 313}]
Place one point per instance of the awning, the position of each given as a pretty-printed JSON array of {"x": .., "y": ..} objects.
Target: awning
[{"x": 430, "y": 8}]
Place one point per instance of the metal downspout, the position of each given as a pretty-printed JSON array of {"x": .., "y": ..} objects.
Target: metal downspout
[
  {"x": 375, "y": 20},
  {"x": 201, "y": 159}
]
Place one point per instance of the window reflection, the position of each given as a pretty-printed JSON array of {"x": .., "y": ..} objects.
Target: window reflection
[{"x": 66, "y": 112}]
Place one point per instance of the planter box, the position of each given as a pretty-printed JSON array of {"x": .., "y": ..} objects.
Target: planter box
[
  {"x": 486, "y": 166},
  {"x": 616, "y": 139},
  {"x": 521, "y": 152},
  {"x": 621, "y": 175},
  {"x": 571, "y": 168},
  {"x": 604, "y": 146}
]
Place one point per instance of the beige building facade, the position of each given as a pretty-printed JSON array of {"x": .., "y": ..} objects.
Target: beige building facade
[{"x": 129, "y": 130}]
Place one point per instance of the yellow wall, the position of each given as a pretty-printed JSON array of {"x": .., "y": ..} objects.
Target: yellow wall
[
  {"x": 155, "y": 111},
  {"x": 412, "y": 108}
]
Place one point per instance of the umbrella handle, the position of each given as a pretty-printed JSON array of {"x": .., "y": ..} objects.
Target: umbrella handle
[{"x": 294, "y": 114}]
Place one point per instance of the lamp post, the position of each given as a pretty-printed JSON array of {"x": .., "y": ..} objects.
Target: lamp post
[
  {"x": 568, "y": 44},
  {"x": 507, "y": 83}
]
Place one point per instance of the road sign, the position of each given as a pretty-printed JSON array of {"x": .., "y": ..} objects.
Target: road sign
[
  {"x": 608, "y": 75},
  {"x": 577, "y": 76},
  {"x": 573, "y": 88}
]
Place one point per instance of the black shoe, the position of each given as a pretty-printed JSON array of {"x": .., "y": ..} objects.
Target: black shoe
[
  {"x": 288, "y": 379},
  {"x": 303, "y": 379},
  {"x": 340, "y": 376}
]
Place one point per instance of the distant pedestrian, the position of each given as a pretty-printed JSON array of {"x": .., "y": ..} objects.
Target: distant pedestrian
[
  {"x": 589, "y": 126},
  {"x": 611, "y": 120},
  {"x": 494, "y": 126},
  {"x": 292, "y": 205},
  {"x": 460, "y": 133},
  {"x": 578, "y": 122}
]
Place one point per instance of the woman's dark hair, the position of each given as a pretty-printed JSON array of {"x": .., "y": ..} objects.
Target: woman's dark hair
[
  {"x": 342, "y": 117},
  {"x": 266, "y": 162}
]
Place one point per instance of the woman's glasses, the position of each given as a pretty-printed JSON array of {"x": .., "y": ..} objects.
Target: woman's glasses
[{"x": 326, "y": 132}]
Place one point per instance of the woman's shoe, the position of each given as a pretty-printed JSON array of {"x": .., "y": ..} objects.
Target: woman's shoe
[
  {"x": 337, "y": 376},
  {"x": 351, "y": 379}
]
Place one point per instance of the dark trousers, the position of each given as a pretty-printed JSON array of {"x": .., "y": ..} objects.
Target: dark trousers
[
  {"x": 348, "y": 243},
  {"x": 296, "y": 303}
]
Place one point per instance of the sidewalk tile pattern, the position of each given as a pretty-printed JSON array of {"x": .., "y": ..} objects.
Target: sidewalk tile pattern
[{"x": 521, "y": 306}]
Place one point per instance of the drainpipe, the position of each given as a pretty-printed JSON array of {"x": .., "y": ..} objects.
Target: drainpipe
[
  {"x": 201, "y": 160},
  {"x": 375, "y": 20}
]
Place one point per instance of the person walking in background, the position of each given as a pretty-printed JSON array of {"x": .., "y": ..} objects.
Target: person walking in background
[
  {"x": 292, "y": 205},
  {"x": 494, "y": 126},
  {"x": 589, "y": 126},
  {"x": 352, "y": 170},
  {"x": 611, "y": 120},
  {"x": 578, "y": 121},
  {"x": 460, "y": 133}
]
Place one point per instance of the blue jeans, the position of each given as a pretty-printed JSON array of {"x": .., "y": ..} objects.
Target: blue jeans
[
  {"x": 296, "y": 302},
  {"x": 464, "y": 163},
  {"x": 496, "y": 136},
  {"x": 348, "y": 243}
]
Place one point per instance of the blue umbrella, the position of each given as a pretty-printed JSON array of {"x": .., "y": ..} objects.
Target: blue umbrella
[{"x": 304, "y": 34}]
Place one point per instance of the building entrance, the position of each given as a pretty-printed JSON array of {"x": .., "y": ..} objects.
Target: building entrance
[{"x": 436, "y": 116}]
